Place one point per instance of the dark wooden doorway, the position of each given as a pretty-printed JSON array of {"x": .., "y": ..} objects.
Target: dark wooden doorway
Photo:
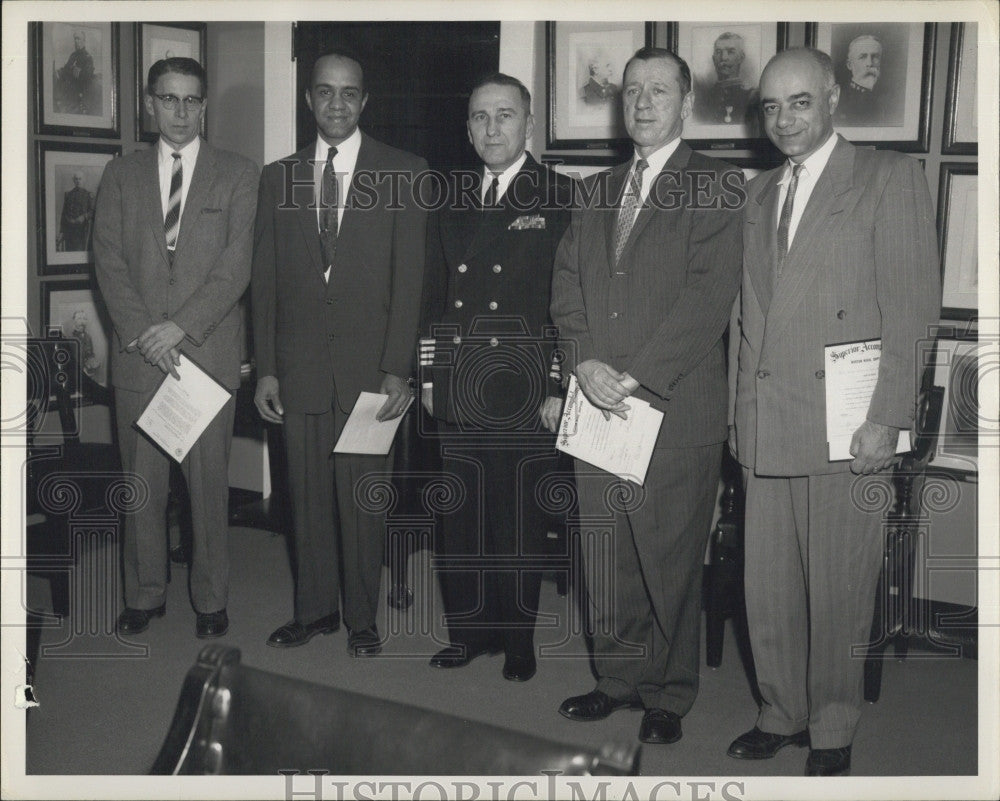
[{"x": 418, "y": 76}]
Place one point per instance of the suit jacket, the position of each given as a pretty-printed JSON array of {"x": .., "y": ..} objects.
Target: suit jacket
[
  {"x": 335, "y": 339},
  {"x": 863, "y": 265},
  {"x": 211, "y": 264},
  {"x": 489, "y": 275},
  {"x": 662, "y": 320}
]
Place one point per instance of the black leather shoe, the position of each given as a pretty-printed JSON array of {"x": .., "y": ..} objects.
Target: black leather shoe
[
  {"x": 757, "y": 744},
  {"x": 179, "y": 555},
  {"x": 294, "y": 633},
  {"x": 660, "y": 727},
  {"x": 136, "y": 621},
  {"x": 365, "y": 642},
  {"x": 519, "y": 668},
  {"x": 400, "y": 597},
  {"x": 829, "y": 762},
  {"x": 596, "y": 705},
  {"x": 455, "y": 656},
  {"x": 212, "y": 624}
]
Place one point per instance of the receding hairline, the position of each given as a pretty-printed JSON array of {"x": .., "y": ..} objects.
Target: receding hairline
[
  {"x": 338, "y": 57},
  {"x": 810, "y": 55},
  {"x": 863, "y": 37}
]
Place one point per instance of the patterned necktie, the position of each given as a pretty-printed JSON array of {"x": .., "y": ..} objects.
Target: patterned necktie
[
  {"x": 785, "y": 221},
  {"x": 328, "y": 223},
  {"x": 172, "y": 220},
  {"x": 630, "y": 203},
  {"x": 491, "y": 193}
]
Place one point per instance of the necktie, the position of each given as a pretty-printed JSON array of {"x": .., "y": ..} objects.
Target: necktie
[
  {"x": 328, "y": 214},
  {"x": 172, "y": 220},
  {"x": 785, "y": 221},
  {"x": 491, "y": 193},
  {"x": 630, "y": 203}
]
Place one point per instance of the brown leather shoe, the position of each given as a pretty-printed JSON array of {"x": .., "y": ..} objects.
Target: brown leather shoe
[
  {"x": 365, "y": 642},
  {"x": 757, "y": 744},
  {"x": 293, "y": 633},
  {"x": 829, "y": 762},
  {"x": 660, "y": 727},
  {"x": 212, "y": 624},
  {"x": 136, "y": 621},
  {"x": 596, "y": 705}
]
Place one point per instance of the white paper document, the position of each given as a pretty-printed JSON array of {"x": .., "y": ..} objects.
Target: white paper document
[
  {"x": 182, "y": 408},
  {"x": 621, "y": 447},
  {"x": 363, "y": 433},
  {"x": 851, "y": 373}
]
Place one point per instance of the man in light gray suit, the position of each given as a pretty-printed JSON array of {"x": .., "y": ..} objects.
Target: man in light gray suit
[
  {"x": 838, "y": 246},
  {"x": 173, "y": 232}
]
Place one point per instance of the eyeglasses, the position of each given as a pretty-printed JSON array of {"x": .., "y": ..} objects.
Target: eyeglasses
[{"x": 191, "y": 103}]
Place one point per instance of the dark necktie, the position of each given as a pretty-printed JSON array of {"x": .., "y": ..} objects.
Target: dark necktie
[
  {"x": 328, "y": 210},
  {"x": 785, "y": 221},
  {"x": 491, "y": 194},
  {"x": 172, "y": 220},
  {"x": 630, "y": 202}
]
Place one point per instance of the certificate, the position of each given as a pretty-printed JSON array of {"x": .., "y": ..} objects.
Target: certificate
[
  {"x": 621, "y": 447},
  {"x": 363, "y": 433},
  {"x": 851, "y": 372},
  {"x": 182, "y": 408}
]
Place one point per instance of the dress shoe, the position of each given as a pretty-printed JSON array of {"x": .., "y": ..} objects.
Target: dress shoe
[
  {"x": 136, "y": 621},
  {"x": 660, "y": 727},
  {"x": 400, "y": 597},
  {"x": 829, "y": 762},
  {"x": 212, "y": 624},
  {"x": 455, "y": 656},
  {"x": 294, "y": 633},
  {"x": 757, "y": 744},
  {"x": 596, "y": 705},
  {"x": 179, "y": 555},
  {"x": 519, "y": 668},
  {"x": 365, "y": 642}
]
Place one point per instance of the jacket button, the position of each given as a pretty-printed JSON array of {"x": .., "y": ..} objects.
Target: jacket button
[
  {"x": 329, "y": 301},
  {"x": 841, "y": 314},
  {"x": 613, "y": 315},
  {"x": 497, "y": 268},
  {"x": 172, "y": 281},
  {"x": 458, "y": 304},
  {"x": 494, "y": 342},
  {"x": 457, "y": 341},
  {"x": 330, "y": 337},
  {"x": 762, "y": 374},
  {"x": 164, "y": 315},
  {"x": 462, "y": 268},
  {"x": 820, "y": 374},
  {"x": 493, "y": 305}
]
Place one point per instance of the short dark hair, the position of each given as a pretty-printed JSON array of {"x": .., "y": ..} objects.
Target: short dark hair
[
  {"x": 180, "y": 65},
  {"x": 649, "y": 53},
  {"x": 502, "y": 79},
  {"x": 339, "y": 52}
]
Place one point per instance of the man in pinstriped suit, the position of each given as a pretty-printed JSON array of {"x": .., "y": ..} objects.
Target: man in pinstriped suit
[
  {"x": 643, "y": 285},
  {"x": 839, "y": 246}
]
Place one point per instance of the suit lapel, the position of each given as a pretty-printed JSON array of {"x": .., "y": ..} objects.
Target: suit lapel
[
  {"x": 762, "y": 234},
  {"x": 201, "y": 182},
  {"x": 303, "y": 198},
  {"x": 675, "y": 164},
  {"x": 150, "y": 197}
]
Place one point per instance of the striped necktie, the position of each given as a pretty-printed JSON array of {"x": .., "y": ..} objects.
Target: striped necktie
[
  {"x": 630, "y": 203},
  {"x": 328, "y": 223},
  {"x": 172, "y": 221},
  {"x": 785, "y": 220}
]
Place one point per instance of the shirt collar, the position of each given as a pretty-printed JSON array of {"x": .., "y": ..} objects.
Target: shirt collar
[
  {"x": 814, "y": 165},
  {"x": 505, "y": 177},
  {"x": 348, "y": 149},
  {"x": 188, "y": 153},
  {"x": 658, "y": 158}
]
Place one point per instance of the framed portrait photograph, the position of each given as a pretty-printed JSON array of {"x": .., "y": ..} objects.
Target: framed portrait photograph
[
  {"x": 961, "y": 131},
  {"x": 68, "y": 176},
  {"x": 956, "y": 371},
  {"x": 76, "y": 78},
  {"x": 585, "y": 65},
  {"x": 726, "y": 59},
  {"x": 884, "y": 72},
  {"x": 74, "y": 310},
  {"x": 957, "y": 222},
  {"x": 155, "y": 41}
]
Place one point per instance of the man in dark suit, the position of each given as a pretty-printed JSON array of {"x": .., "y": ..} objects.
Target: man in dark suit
[
  {"x": 838, "y": 246},
  {"x": 77, "y": 210},
  {"x": 489, "y": 266},
  {"x": 173, "y": 230},
  {"x": 862, "y": 101},
  {"x": 337, "y": 276},
  {"x": 644, "y": 282}
]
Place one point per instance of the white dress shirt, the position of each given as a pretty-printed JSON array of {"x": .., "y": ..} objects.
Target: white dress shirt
[
  {"x": 503, "y": 179},
  {"x": 655, "y": 160},
  {"x": 812, "y": 169},
  {"x": 189, "y": 157}
]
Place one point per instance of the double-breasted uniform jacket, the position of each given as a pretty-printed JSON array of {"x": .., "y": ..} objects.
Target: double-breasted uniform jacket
[
  {"x": 337, "y": 338},
  {"x": 863, "y": 265},
  {"x": 211, "y": 266},
  {"x": 660, "y": 313},
  {"x": 490, "y": 339}
]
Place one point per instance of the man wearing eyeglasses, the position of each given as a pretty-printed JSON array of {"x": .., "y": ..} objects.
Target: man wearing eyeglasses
[{"x": 173, "y": 230}]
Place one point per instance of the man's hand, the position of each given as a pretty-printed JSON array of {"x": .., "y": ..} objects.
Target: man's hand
[
  {"x": 427, "y": 399},
  {"x": 267, "y": 401},
  {"x": 169, "y": 361},
  {"x": 157, "y": 340},
  {"x": 399, "y": 396},
  {"x": 550, "y": 412},
  {"x": 605, "y": 387},
  {"x": 873, "y": 447}
]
